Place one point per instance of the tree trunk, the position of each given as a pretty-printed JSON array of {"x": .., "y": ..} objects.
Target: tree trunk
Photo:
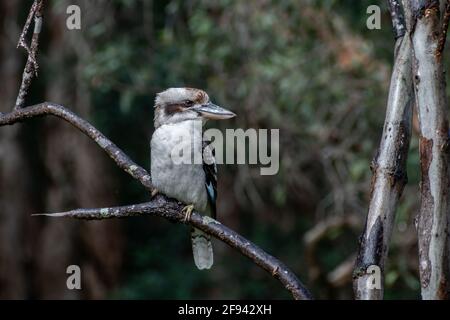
[
  {"x": 389, "y": 166},
  {"x": 433, "y": 219}
]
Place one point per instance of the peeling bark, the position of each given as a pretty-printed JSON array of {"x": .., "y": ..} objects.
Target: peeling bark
[
  {"x": 433, "y": 219},
  {"x": 425, "y": 223}
]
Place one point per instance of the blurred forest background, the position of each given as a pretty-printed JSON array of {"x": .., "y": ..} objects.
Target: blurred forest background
[{"x": 310, "y": 68}]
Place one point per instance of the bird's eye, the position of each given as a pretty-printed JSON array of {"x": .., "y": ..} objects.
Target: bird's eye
[{"x": 188, "y": 103}]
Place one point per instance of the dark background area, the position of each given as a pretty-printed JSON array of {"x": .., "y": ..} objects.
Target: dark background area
[{"x": 309, "y": 68}]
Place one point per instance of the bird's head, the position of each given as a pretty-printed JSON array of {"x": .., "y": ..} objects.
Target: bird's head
[{"x": 181, "y": 104}]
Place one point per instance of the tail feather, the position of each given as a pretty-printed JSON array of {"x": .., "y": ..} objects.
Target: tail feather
[{"x": 202, "y": 249}]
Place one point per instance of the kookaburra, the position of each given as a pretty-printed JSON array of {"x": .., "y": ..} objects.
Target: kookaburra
[{"x": 179, "y": 116}]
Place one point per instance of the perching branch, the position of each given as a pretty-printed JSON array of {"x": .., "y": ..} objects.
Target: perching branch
[
  {"x": 433, "y": 220},
  {"x": 170, "y": 209},
  {"x": 31, "y": 67},
  {"x": 160, "y": 205},
  {"x": 389, "y": 166}
]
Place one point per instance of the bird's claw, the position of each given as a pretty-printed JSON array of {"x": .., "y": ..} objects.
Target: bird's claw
[
  {"x": 154, "y": 192},
  {"x": 187, "y": 210}
]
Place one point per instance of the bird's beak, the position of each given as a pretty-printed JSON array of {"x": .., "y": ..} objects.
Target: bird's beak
[{"x": 213, "y": 112}]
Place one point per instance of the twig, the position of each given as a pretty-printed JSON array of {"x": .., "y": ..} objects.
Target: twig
[
  {"x": 22, "y": 43},
  {"x": 160, "y": 205},
  {"x": 313, "y": 237},
  {"x": 31, "y": 67},
  {"x": 444, "y": 29},
  {"x": 388, "y": 167},
  {"x": 342, "y": 274}
]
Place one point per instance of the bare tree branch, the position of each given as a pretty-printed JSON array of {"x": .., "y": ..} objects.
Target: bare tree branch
[
  {"x": 433, "y": 220},
  {"x": 31, "y": 67},
  {"x": 163, "y": 207},
  {"x": 160, "y": 205},
  {"x": 22, "y": 42},
  {"x": 48, "y": 108},
  {"x": 389, "y": 166},
  {"x": 316, "y": 234}
]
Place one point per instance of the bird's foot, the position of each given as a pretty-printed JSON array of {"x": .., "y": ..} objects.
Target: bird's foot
[
  {"x": 154, "y": 192},
  {"x": 188, "y": 212}
]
